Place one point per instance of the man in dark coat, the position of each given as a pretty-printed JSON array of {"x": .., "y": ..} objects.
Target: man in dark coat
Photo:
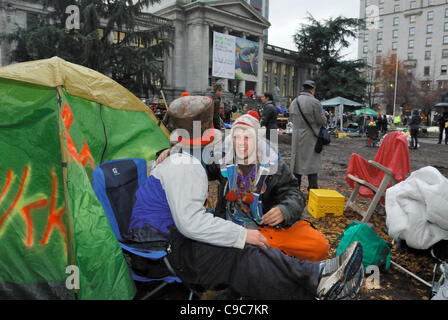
[
  {"x": 379, "y": 122},
  {"x": 384, "y": 124},
  {"x": 414, "y": 124},
  {"x": 269, "y": 114},
  {"x": 227, "y": 112},
  {"x": 361, "y": 121},
  {"x": 443, "y": 118}
]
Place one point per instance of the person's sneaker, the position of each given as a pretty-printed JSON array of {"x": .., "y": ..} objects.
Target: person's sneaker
[
  {"x": 351, "y": 287},
  {"x": 336, "y": 272}
]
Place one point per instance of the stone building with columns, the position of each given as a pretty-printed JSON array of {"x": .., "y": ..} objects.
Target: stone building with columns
[{"x": 189, "y": 66}]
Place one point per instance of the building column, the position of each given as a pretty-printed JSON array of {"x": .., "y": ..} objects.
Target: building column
[
  {"x": 271, "y": 78},
  {"x": 278, "y": 78},
  {"x": 179, "y": 59},
  {"x": 260, "y": 66},
  {"x": 197, "y": 52},
  {"x": 225, "y": 82},
  {"x": 205, "y": 56}
]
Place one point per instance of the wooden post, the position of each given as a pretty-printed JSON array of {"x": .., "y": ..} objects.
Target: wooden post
[{"x": 164, "y": 100}]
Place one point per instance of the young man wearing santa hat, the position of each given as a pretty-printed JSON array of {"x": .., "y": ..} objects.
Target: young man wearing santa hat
[{"x": 261, "y": 193}]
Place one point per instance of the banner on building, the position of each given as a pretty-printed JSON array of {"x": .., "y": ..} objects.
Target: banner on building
[
  {"x": 246, "y": 60},
  {"x": 234, "y": 58},
  {"x": 223, "y": 56}
]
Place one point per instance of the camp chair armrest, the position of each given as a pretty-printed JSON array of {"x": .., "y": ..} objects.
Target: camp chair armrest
[
  {"x": 381, "y": 167},
  {"x": 362, "y": 182},
  {"x": 150, "y": 254}
]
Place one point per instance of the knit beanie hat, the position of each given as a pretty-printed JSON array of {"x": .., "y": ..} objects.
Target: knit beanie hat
[
  {"x": 254, "y": 114},
  {"x": 249, "y": 122}
]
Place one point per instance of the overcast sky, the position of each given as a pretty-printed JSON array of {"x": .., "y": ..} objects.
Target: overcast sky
[{"x": 287, "y": 15}]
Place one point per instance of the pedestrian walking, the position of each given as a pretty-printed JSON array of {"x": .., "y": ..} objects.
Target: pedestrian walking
[
  {"x": 216, "y": 96},
  {"x": 443, "y": 119},
  {"x": 414, "y": 125},
  {"x": 384, "y": 126},
  {"x": 304, "y": 160},
  {"x": 269, "y": 114},
  {"x": 361, "y": 123}
]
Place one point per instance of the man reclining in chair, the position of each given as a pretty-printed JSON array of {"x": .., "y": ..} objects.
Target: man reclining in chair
[
  {"x": 211, "y": 252},
  {"x": 261, "y": 193}
]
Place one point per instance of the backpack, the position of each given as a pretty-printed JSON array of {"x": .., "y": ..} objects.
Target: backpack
[{"x": 376, "y": 251}]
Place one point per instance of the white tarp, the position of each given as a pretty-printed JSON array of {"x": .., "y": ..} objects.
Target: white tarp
[
  {"x": 223, "y": 56},
  {"x": 417, "y": 209}
]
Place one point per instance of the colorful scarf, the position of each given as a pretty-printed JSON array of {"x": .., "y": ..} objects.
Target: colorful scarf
[{"x": 246, "y": 208}]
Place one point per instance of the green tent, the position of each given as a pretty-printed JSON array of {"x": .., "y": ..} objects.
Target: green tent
[
  {"x": 58, "y": 121},
  {"x": 367, "y": 111}
]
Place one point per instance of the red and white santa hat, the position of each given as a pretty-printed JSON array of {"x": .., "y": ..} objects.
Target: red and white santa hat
[{"x": 249, "y": 121}]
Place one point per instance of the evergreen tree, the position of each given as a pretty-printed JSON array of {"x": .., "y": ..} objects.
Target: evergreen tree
[
  {"x": 109, "y": 40},
  {"x": 320, "y": 44}
]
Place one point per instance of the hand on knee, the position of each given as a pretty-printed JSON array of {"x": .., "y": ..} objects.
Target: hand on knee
[{"x": 256, "y": 238}]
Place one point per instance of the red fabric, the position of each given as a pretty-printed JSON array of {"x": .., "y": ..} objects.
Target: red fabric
[
  {"x": 231, "y": 196},
  {"x": 207, "y": 138},
  {"x": 250, "y": 93},
  {"x": 254, "y": 114},
  {"x": 249, "y": 199},
  {"x": 393, "y": 154}
]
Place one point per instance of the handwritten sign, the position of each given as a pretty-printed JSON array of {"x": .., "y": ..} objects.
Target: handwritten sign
[{"x": 223, "y": 56}]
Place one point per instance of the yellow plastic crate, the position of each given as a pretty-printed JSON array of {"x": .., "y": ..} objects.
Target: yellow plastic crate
[{"x": 322, "y": 201}]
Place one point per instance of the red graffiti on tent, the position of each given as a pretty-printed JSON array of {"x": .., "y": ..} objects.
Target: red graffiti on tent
[
  {"x": 26, "y": 211},
  {"x": 5, "y": 190},
  {"x": 85, "y": 155},
  {"x": 54, "y": 216}
]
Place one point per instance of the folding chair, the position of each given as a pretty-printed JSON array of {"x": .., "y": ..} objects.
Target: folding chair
[
  {"x": 115, "y": 184},
  {"x": 440, "y": 286},
  {"x": 371, "y": 178}
]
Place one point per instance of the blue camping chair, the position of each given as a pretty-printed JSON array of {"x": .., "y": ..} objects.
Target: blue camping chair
[{"x": 115, "y": 184}]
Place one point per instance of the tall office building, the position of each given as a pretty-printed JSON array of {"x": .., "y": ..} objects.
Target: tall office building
[{"x": 416, "y": 30}]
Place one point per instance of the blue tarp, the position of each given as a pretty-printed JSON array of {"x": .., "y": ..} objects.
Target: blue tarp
[{"x": 281, "y": 110}]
